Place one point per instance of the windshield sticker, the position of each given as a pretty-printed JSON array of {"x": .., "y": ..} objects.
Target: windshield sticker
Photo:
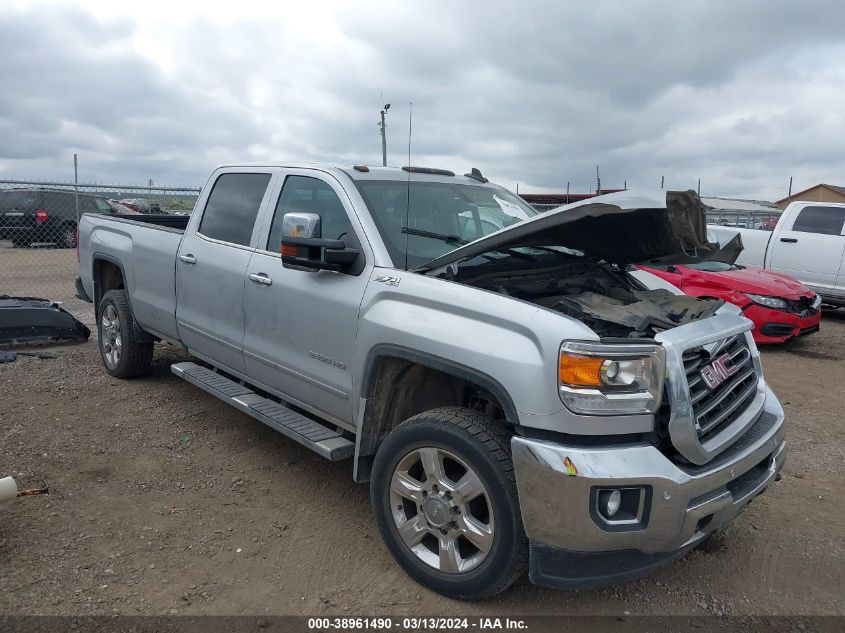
[{"x": 509, "y": 207}]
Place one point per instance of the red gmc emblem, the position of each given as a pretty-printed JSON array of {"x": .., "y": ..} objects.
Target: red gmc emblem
[{"x": 718, "y": 371}]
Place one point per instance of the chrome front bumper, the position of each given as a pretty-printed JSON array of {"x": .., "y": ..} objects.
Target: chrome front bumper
[{"x": 557, "y": 486}]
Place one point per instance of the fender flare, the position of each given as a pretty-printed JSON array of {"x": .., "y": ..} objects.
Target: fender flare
[
  {"x": 140, "y": 334},
  {"x": 363, "y": 439},
  {"x": 447, "y": 366}
]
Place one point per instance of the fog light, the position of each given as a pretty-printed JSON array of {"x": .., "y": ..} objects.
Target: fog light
[
  {"x": 614, "y": 500},
  {"x": 616, "y": 509}
]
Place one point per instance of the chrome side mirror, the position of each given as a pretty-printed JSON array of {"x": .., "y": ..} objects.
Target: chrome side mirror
[
  {"x": 299, "y": 224},
  {"x": 303, "y": 248}
]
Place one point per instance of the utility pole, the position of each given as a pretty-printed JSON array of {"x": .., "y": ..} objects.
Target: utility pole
[
  {"x": 789, "y": 195},
  {"x": 661, "y": 182},
  {"x": 625, "y": 185},
  {"x": 699, "y": 186},
  {"x": 76, "y": 187},
  {"x": 598, "y": 182},
  {"x": 567, "y": 192},
  {"x": 382, "y": 127}
]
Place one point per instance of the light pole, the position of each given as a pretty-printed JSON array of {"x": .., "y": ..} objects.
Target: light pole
[{"x": 383, "y": 137}]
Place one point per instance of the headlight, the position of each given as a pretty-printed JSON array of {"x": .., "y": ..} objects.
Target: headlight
[
  {"x": 769, "y": 302},
  {"x": 817, "y": 302},
  {"x": 603, "y": 379}
]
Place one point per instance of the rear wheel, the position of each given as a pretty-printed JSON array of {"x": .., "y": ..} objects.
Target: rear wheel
[
  {"x": 122, "y": 354},
  {"x": 67, "y": 237},
  {"x": 445, "y": 501}
]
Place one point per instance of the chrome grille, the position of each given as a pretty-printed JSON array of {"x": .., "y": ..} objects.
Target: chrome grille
[{"x": 714, "y": 409}]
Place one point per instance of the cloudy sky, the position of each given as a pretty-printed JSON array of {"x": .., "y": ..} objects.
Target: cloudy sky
[{"x": 742, "y": 94}]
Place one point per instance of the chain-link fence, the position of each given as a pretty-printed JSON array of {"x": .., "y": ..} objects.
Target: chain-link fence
[
  {"x": 763, "y": 220},
  {"x": 38, "y": 223}
]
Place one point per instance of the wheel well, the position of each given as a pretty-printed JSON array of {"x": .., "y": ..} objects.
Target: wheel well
[
  {"x": 107, "y": 276},
  {"x": 399, "y": 388}
]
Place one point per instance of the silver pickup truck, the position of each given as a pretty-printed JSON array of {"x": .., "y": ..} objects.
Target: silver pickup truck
[{"x": 515, "y": 398}]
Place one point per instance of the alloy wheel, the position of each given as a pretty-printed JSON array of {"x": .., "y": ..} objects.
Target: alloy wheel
[
  {"x": 110, "y": 336},
  {"x": 441, "y": 510}
]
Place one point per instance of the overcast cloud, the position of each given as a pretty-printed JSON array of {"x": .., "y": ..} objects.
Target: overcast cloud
[{"x": 740, "y": 94}]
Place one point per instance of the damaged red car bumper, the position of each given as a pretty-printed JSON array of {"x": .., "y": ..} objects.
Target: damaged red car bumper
[{"x": 779, "y": 326}]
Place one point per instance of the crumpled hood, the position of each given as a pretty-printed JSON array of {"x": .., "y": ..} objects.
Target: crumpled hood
[{"x": 628, "y": 227}]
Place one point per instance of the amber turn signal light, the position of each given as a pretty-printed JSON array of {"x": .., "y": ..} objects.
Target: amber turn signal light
[{"x": 580, "y": 371}]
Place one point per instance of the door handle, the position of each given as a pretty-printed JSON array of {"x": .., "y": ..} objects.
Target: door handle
[
  {"x": 188, "y": 259},
  {"x": 261, "y": 278},
  {"x": 790, "y": 240}
]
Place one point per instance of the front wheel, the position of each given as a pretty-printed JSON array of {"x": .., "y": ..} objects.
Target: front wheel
[{"x": 445, "y": 501}]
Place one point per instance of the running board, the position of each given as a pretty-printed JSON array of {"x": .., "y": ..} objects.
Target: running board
[{"x": 320, "y": 439}]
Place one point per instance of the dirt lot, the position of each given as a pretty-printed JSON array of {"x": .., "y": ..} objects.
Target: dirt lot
[{"x": 166, "y": 501}]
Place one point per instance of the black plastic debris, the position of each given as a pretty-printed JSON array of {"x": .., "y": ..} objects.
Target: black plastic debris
[
  {"x": 27, "y": 320},
  {"x": 11, "y": 357}
]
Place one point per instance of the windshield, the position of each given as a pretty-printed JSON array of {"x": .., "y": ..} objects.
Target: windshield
[
  {"x": 441, "y": 215},
  {"x": 712, "y": 267}
]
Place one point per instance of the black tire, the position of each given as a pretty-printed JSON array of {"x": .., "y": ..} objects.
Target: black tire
[
  {"x": 134, "y": 358},
  {"x": 484, "y": 445}
]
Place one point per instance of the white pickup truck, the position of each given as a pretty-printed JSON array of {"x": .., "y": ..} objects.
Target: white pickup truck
[{"x": 807, "y": 243}]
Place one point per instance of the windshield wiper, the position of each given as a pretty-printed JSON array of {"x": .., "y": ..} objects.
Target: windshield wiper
[{"x": 449, "y": 239}]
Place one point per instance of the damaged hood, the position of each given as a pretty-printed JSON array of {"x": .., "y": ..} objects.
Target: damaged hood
[{"x": 628, "y": 227}]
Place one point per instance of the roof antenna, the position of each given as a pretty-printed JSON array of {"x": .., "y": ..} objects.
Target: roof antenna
[{"x": 408, "y": 204}]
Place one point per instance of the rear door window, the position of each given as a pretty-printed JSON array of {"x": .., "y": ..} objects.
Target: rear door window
[
  {"x": 824, "y": 220},
  {"x": 232, "y": 207},
  {"x": 59, "y": 205}
]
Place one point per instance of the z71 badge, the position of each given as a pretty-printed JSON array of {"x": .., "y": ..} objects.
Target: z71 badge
[{"x": 387, "y": 279}]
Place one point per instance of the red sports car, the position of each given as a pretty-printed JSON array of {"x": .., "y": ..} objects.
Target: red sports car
[{"x": 781, "y": 307}]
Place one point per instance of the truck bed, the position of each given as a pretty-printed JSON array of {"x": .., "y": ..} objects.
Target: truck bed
[
  {"x": 178, "y": 222},
  {"x": 145, "y": 247}
]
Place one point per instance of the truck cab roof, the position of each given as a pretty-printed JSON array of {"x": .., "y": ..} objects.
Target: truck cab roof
[{"x": 368, "y": 172}]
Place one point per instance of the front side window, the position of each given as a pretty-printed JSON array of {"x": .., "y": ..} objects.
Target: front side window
[
  {"x": 304, "y": 194},
  {"x": 233, "y": 206},
  {"x": 433, "y": 218},
  {"x": 824, "y": 220}
]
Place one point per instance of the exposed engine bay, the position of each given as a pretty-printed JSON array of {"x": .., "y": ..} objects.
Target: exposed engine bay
[{"x": 599, "y": 295}]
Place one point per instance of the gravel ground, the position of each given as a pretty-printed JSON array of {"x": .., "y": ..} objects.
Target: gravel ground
[{"x": 166, "y": 501}]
